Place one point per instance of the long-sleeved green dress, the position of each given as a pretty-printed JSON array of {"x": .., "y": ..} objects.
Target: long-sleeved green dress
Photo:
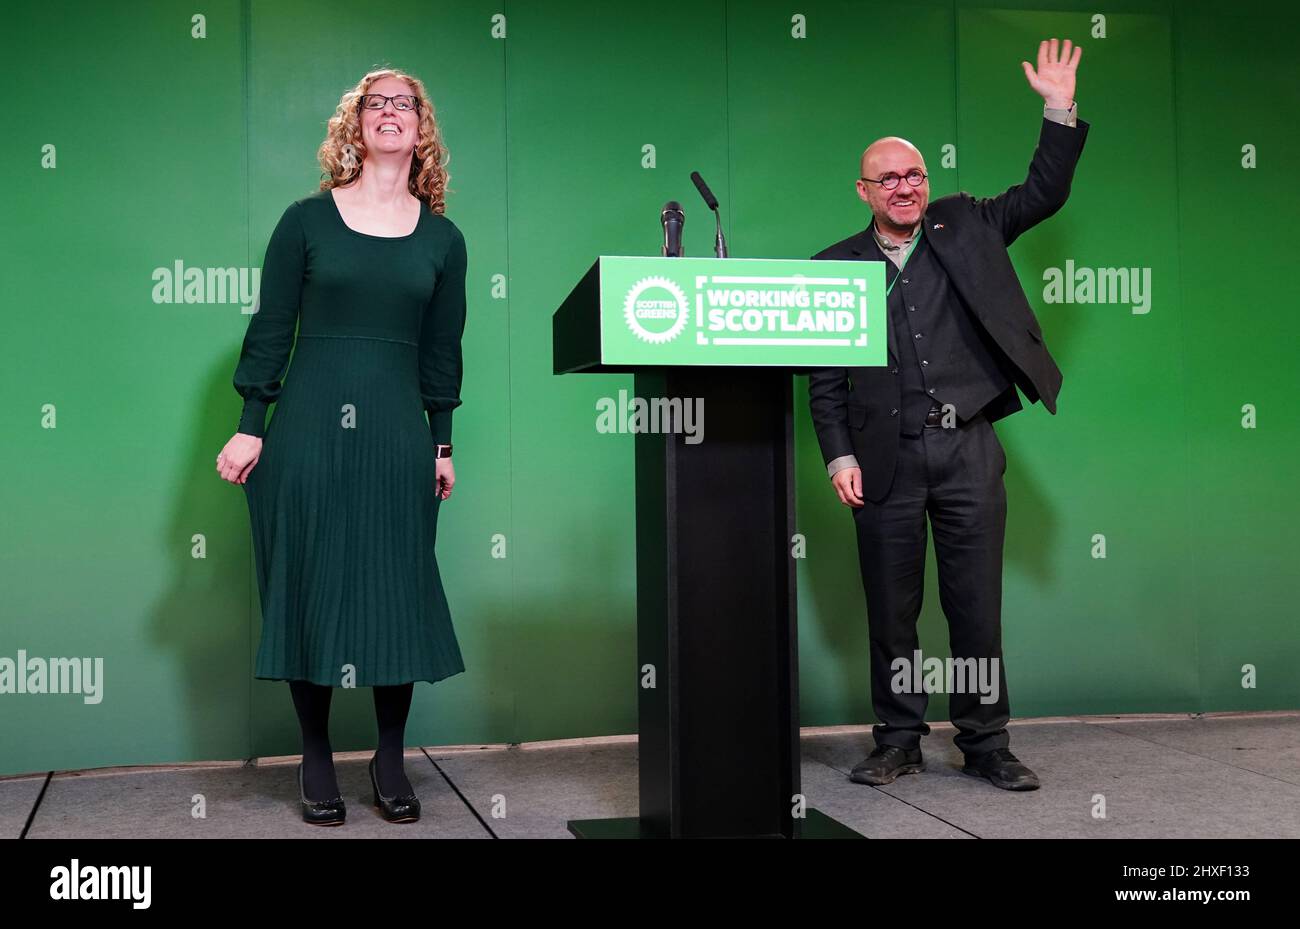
[{"x": 342, "y": 503}]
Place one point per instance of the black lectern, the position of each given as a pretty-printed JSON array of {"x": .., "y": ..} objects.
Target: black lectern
[{"x": 716, "y": 624}]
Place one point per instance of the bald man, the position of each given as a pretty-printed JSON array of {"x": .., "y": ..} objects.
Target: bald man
[{"x": 914, "y": 439}]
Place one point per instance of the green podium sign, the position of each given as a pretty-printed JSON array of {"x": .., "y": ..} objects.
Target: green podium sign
[{"x": 738, "y": 311}]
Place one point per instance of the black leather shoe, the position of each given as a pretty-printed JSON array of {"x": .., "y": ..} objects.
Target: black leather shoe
[
  {"x": 403, "y": 809},
  {"x": 886, "y": 763},
  {"x": 321, "y": 812},
  {"x": 1002, "y": 768}
]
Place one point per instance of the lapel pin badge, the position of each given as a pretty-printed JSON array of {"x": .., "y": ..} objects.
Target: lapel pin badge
[{"x": 938, "y": 225}]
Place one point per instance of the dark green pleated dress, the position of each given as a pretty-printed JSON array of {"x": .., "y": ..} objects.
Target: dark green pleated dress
[{"x": 342, "y": 503}]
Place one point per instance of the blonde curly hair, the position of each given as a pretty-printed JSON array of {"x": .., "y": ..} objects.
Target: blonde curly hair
[{"x": 342, "y": 153}]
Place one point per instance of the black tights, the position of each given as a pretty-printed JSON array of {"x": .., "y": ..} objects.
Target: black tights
[{"x": 312, "y": 702}]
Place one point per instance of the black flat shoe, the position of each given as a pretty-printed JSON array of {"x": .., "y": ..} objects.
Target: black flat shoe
[
  {"x": 321, "y": 812},
  {"x": 1003, "y": 769},
  {"x": 403, "y": 809},
  {"x": 885, "y": 764}
]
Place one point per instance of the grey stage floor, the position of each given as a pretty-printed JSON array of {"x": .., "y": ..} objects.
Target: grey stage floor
[{"x": 1159, "y": 777}]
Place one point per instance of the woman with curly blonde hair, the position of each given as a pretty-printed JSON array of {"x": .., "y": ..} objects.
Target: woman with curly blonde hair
[{"x": 345, "y": 483}]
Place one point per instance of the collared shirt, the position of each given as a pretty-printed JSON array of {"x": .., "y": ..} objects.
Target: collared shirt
[{"x": 895, "y": 251}]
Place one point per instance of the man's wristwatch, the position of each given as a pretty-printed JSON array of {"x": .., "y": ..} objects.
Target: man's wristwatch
[{"x": 442, "y": 451}]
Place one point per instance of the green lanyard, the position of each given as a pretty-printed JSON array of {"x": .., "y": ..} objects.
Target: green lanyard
[{"x": 904, "y": 264}]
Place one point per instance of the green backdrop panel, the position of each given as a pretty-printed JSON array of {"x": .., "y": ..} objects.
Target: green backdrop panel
[
  {"x": 606, "y": 122},
  {"x": 173, "y": 138},
  {"x": 1237, "y": 87}
]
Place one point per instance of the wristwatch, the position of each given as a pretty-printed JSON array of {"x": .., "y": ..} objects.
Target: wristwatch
[{"x": 442, "y": 451}]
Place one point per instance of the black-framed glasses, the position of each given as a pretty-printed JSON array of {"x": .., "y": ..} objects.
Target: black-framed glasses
[
  {"x": 400, "y": 102},
  {"x": 890, "y": 181}
]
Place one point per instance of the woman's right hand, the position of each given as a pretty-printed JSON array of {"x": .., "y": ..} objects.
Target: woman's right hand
[{"x": 237, "y": 459}]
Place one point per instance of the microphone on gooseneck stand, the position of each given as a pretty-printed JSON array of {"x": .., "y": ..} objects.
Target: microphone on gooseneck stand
[
  {"x": 673, "y": 219},
  {"x": 720, "y": 242}
]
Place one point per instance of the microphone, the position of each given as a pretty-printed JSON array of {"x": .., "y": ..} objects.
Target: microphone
[
  {"x": 710, "y": 200},
  {"x": 719, "y": 242},
  {"x": 673, "y": 219}
]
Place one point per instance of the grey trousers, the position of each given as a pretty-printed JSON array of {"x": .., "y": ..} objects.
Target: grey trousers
[{"x": 952, "y": 478}]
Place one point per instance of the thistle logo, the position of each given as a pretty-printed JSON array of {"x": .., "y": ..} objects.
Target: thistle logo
[{"x": 656, "y": 310}]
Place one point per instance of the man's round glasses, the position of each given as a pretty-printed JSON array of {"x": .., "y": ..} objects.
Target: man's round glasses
[
  {"x": 890, "y": 181},
  {"x": 400, "y": 102}
]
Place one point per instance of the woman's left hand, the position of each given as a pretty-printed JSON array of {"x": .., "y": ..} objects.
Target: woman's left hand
[{"x": 446, "y": 477}]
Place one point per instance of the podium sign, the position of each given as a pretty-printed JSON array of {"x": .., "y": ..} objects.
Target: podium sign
[{"x": 741, "y": 311}]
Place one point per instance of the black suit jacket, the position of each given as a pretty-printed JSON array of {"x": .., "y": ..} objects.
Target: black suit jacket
[{"x": 855, "y": 410}]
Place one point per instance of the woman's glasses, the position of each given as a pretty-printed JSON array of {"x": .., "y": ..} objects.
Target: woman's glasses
[{"x": 400, "y": 102}]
